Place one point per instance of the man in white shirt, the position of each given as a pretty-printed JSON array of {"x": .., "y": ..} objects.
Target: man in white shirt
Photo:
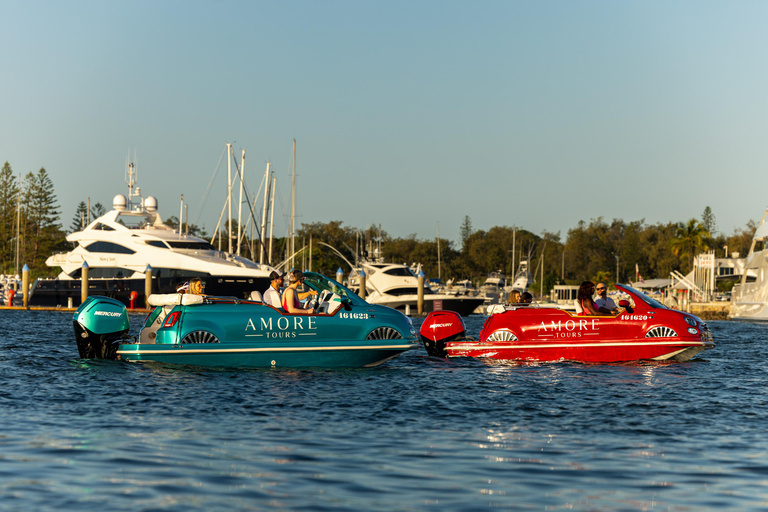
[
  {"x": 274, "y": 294},
  {"x": 603, "y": 301}
]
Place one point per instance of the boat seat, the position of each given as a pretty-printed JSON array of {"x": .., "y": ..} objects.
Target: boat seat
[
  {"x": 578, "y": 306},
  {"x": 256, "y": 296}
]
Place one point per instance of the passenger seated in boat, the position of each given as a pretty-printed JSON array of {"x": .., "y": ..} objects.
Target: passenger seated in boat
[
  {"x": 603, "y": 301},
  {"x": 514, "y": 297},
  {"x": 273, "y": 294},
  {"x": 291, "y": 302},
  {"x": 196, "y": 286},
  {"x": 526, "y": 298},
  {"x": 588, "y": 306}
]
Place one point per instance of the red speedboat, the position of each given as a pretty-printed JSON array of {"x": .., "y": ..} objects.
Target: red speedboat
[{"x": 643, "y": 329}]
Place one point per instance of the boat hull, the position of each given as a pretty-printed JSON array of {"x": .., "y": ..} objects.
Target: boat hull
[
  {"x": 304, "y": 355},
  {"x": 643, "y": 329},
  {"x": 613, "y": 351},
  {"x": 343, "y": 331}
]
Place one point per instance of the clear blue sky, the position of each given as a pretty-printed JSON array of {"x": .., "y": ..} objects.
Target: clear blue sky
[{"x": 406, "y": 113}]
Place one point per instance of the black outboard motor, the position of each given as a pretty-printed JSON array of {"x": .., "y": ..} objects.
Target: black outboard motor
[
  {"x": 439, "y": 328},
  {"x": 100, "y": 324}
]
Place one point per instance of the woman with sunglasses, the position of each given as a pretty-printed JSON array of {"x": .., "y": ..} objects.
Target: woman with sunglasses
[{"x": 291, "y": 297}]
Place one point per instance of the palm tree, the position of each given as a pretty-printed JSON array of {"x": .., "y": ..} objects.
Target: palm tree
[{"x": 688, "y": 238}]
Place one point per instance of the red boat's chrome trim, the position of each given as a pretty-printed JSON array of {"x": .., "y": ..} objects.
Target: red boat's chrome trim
[{"x": 496, "y": 346}]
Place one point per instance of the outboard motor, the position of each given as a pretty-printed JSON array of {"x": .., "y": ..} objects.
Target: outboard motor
[
  {"x": 439, "y": 328},
  {"x": 100, "y": 323}
]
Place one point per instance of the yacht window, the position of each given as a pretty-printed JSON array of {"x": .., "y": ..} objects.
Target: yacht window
[
  {"x": 108, "y": 247},
  {"x": 197, "y": 246},
  {"x": 403, "y": 291},
  {"x": 156, "y": 243},
  {"x": 103, "y": 227},
  {"x": 133, "y": 221},
  {"x": 726, "y": 271},
  {"x": 178, "y": 274},
  {"x": 399, "y": 271},
  {"x": 103, "y": 273}
]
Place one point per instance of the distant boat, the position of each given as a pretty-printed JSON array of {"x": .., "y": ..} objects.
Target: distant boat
[
  {"x": 396, "y": 286},
  {"x": 119, "y": 245},
  {"x": 749, "y": 298}
]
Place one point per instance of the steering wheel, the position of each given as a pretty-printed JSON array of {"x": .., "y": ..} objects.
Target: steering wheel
[{"x": 313, "y": 302}]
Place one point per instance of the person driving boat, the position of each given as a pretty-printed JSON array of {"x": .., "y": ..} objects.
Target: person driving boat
[{"x": 291, "y": 296}]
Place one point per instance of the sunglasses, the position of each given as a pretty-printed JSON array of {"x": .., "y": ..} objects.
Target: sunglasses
[{"x": 601, "y": 288}]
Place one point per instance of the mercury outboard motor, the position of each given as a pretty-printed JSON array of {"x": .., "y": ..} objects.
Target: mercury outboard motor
[
  {"x": 439, "y": 328},
  {"x": 100, "y": 324}
]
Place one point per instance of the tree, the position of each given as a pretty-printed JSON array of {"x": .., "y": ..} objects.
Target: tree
[
  {"x": 42, "y": 228},
  {"x": 689, "y": 237},
  {"x": 80, "y": 218},
  {"x": 9, "y": 197},
  {"x": 465, "y": 231},
  {"x": 97, "y": 210},
  {"x": 708, "y": 221}
]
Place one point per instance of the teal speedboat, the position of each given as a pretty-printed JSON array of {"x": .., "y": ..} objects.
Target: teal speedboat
[{"x": 342, "y": 331}]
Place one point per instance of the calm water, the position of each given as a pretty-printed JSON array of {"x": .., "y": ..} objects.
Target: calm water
[{"x": 414, "y": 434}]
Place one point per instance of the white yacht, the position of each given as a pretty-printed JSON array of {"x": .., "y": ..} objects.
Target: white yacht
[
  {"x": 118, "y": 246},
  {"x": 749, "y": 298},
  {"x": 397, "y": 286},
  {"x": 522, "y": 278}
]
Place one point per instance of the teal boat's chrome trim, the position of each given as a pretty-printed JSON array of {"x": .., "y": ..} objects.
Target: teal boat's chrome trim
[{"x": 146, "y": 350}]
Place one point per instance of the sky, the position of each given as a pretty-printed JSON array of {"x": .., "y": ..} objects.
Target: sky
[{"x": 410, "y": 115}]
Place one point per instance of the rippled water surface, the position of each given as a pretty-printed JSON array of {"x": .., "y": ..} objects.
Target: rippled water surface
[{"x": 417, "y": 433}]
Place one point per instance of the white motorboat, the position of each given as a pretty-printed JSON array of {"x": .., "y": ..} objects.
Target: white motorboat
[
  {"x": 749, "y": 298},
  {"x": 397, "y": 286},
  {"x": 118, "y": 246}
]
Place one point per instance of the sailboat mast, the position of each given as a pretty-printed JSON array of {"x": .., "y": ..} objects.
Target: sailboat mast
[
  {"x": 272, "y": 217},
  {"x": 18, "y": 223},
  {"x": 438, "y": 250},
  {"x": 514, "y": 232},
  {"x": 181, "y": 214},
  {"x": 264, "y": 213},
  {"x": 229, "y": 194},
  {"x": 240, "y": 204},
  {"x": 293, "y": 205}
]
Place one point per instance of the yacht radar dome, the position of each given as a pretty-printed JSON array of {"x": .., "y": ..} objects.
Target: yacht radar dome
[
  {"x": 150, "y": 204},
  {"x": 119, "y": 202}
]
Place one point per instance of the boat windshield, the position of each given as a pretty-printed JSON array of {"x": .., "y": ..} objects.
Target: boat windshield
[
  {"x": 651, "y": 302},
  {"x": 133, "y": 220},
  {"x": 319, "y": 282}
]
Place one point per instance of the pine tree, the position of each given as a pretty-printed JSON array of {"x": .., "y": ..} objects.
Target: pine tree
[
  {"x": 708, "y": 221},
  {"x": 97, "y": 211},
  {"x": 42, "y": 228},
  {"x": 80, "y": 218},
  {"x": 9, "y": 191},
  {"x": 465, "y": 230}
]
